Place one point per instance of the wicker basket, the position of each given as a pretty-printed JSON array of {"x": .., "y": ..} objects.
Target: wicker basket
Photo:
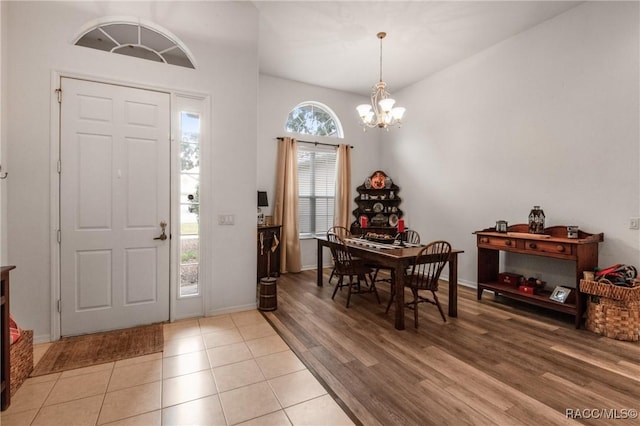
[
  {"x": 612, "y": 311},
  {"x": 21, "y": 354}
]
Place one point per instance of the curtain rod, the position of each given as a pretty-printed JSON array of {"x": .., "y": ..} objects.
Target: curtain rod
[{"x": 315, "y": 143}]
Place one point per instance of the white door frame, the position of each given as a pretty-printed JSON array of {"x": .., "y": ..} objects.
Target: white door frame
[{"x": 54, "y": 180}]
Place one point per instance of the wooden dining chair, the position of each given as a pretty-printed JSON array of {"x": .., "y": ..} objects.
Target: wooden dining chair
[
  {"x": 412, "y": 237},
  {"x": 348, "y": 267},
  {"x": 343, "y": 233},
  {"x": 424, "y": 275}
]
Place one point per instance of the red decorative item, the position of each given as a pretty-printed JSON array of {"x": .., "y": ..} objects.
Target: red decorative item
[
  {"x": 526, "y": 289},
  {"x": 401, "y": 225},
  {"x": 509, "y": 279},
  {"x": 363, "y": 221},
  {"x": 14, "y": 331}
]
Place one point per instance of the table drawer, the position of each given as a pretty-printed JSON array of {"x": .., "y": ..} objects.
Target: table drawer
[
  {"x": 550, "y": 247},
  {"x": 500, "y": 243}
]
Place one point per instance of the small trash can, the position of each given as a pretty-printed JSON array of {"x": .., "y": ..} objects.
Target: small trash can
[{"x": 267, "y": 294}]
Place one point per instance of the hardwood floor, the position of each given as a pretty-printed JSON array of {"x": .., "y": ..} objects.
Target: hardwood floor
[{"x": 500, "y": 362}]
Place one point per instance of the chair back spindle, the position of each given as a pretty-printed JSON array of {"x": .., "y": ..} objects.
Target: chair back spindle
[
  {"x": 341, "y": 255},
  {"x": 425, "y": 273}
]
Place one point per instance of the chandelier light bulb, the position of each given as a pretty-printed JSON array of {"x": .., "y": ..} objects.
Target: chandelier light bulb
[{"x": 381, "y": 113}]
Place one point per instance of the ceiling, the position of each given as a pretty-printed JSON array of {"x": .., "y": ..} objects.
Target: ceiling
[{"x": 334, "y": 44}]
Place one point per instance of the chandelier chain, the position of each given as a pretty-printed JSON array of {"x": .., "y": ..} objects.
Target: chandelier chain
[{"x": 381, "y": 58}]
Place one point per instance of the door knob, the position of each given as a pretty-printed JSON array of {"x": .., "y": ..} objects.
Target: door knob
[{"x": 162, "y": 236}]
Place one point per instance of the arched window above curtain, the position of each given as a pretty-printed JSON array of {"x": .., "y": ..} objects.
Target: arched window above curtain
[{"x": 313, "y": 118}]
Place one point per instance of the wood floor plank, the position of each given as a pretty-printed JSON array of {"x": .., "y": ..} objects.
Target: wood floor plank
[
  {"x": 596, "y": 362},
  {"x": 498, "y": 362}
]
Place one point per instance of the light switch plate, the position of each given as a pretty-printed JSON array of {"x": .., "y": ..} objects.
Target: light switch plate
[{"x": 226, "y": 219}]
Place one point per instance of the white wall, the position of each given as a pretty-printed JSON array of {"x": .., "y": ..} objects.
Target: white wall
[
  {"x": 3, "y": 144},
  {"x": 548, "y": 117},
  {"x": 276, "y": 99},
  {"x": 40, "y": 36}
]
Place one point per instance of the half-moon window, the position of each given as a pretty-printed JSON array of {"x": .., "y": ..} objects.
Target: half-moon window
[
  {"x": 313, "y": 118},
  {"x": 133, "y": 38}
]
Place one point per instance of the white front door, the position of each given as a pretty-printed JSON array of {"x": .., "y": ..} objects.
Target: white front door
[{"x": 114, "y": 194}]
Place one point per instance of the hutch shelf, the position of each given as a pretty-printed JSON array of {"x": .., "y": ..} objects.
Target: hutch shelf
[
  {"x": 582, "y": 251},
  {"x": 379, "y": 202}
]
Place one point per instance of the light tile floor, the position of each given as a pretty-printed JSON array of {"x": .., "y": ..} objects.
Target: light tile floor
[{"x": 224, "y": 370}]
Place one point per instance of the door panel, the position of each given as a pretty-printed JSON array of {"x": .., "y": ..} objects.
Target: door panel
[
  {"x": 94, "y": 181},
  {"x": 93, "y": 269},
  {"x": 140, "y": 285},
  {"x": 114, "y": 192},
  {"x": 142, "y": 169}
]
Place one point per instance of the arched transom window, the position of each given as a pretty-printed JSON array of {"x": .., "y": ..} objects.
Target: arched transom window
[
  {"x": 132, "y": 37},
  {"x": 313, "y": 118}
]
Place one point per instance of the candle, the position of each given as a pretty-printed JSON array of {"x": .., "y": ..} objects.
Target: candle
[
  {"x": 363, "y": 221},
  {"x": 401, "y": 225}
]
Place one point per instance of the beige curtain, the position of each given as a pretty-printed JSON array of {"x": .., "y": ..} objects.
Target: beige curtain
[
  {"x": 342, "y": 206},
  {"x": 286, "y": 207}
]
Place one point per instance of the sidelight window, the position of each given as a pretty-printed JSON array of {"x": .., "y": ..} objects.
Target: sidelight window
[{"x": 190, "y": 131}]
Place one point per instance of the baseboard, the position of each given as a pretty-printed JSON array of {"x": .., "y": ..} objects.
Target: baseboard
[
  {"x": 41, "y": 338},
  {"x": 232, "y": 309}
]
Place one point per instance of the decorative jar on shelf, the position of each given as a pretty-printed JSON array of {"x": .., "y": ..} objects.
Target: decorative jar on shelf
[{"x": 536, "y": 220}]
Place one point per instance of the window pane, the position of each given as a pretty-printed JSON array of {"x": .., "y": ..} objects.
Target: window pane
[
  {"x": 189, "y": 203},
  {"x": 311, "y": 119},
  {"x": 189, "y": 188},
  {"x": 324, "y": 214},
  {"x": 189, "y": 250},
  {"x": 189, "y": 280},
  {"x": 304, "y": 213},
  {"x": 188, "y": 220},
  {"x": 189, "y": 157}
]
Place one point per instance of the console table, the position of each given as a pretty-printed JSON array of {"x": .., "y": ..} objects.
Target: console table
[
  {"x": 5, "y": 370},
  {"x": 582, "y": 251}
]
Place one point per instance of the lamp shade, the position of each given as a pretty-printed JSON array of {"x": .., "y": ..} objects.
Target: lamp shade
[
  {"x": 386, "y": 104},
  {"x": 262, "y": 199},
  {"x": 363, "y": 110}
]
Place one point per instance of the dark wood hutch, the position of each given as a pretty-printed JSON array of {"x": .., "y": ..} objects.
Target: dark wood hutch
[{"x": 378, "y": 200}]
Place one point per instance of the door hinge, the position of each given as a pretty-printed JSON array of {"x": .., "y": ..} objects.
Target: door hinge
[
  {"x": 59, "y": 306},
  {"x": 59, "y": 236},
  {"x": 59, "y": 165},
  {"x": 59, "y": 93}
]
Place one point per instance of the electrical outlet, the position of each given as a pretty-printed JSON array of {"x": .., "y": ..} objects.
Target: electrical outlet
[{"x": 634, "y": 223}]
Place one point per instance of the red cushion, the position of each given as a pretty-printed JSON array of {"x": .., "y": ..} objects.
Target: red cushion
[{"x": 14, "y": 331}]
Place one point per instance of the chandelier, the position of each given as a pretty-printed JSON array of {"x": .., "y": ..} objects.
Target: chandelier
[{"x": 381, "y": 113}]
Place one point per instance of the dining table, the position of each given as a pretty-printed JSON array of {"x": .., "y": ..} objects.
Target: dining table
[{"x": 397, "y": 257}]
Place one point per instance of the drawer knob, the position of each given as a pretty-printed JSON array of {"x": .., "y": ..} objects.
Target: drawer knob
[
  {"x": 507, "y": 242},
  {"x": 532, "y": 245},
  {"x": 560, "y": 248},
  {"x": 484, "y": 240}
]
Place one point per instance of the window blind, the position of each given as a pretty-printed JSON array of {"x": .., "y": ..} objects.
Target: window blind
[{"x": 316, "y": 189}]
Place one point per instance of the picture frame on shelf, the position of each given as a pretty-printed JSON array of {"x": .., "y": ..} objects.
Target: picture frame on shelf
[{"x": 560, "y": 294}]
